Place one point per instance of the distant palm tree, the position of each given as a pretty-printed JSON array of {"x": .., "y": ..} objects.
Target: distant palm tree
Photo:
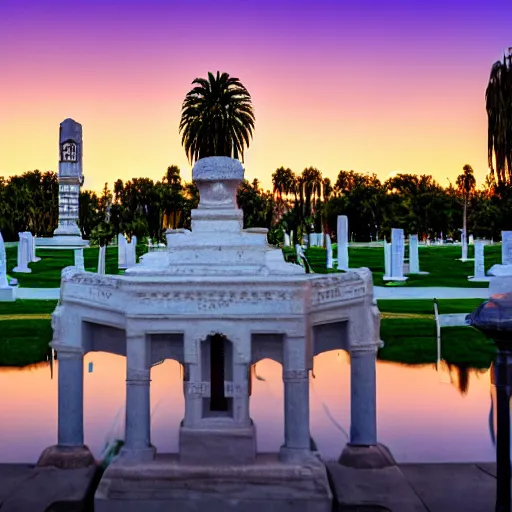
[
  {"x": 498, "y": 103},
  {"x": 217, "y": 118},
  {"x": 466, "y": 186}
]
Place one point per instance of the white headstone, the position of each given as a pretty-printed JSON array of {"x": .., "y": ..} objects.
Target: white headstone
[
  {"x": 299, "y": 252},
  {"x": 130, "y": 253},
  {"x": 79, "y": 259},
  {"x": 328, "y": 245},
  {"x": 319, "y": 239},
  {"x": 387, "y": 260},
  {"x": 464, "y": 243},
  {"x": 479, "y": 259},
  {"x": 286, "y": 240},
  {"x": 312, "y": 239},
  {"x": 342, "y": 237},
  {"x": 32, "y": 247},
  {"x": 414, "y": 260},
  {"x": 397, "y": 254},
  {"x": 121, "y": 251},
  {"x": 471, "y": 240},
  {"x": 101, "y": 260},
  {"x": 506, "y": 247},
  {"x": 3, "y": 264},
  {"x": 291, "y": 237},
  {"x": 24, "y": 254}
]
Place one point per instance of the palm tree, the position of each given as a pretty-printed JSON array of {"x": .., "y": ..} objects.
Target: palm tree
[
  {"x": 466, "y": 186},
  {"x": 217, "y": 118},
  {"x": 498, "y": 103}
]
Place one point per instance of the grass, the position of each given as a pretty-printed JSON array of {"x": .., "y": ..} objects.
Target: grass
[
  {"x": 440, "y": 261},
  {"x": 46, "y": 273}
]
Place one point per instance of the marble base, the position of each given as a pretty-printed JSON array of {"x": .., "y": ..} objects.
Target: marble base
[
  {"x": 166, "y": 484},
  {"x": 22, "y": 270},
  {"x": 62, "y": 242},
  {"x": 213, "y": 446},
  {"x": 500, "y": 270},
  {"x": 66, "y": 457},
  {"x": 367, "y": 457},
  {"x": 464, "y": 260},
  {"x": 389, "y": 278},
  {"x": 479, "y": 279},
  {"x": 8, "y": 294},
  {"x": 421, "y": 273}
]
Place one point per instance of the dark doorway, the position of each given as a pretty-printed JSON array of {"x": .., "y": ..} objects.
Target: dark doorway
[{"x": 218, "y": 400}]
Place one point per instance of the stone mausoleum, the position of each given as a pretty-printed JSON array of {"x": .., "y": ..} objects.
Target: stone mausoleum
[{"x": 218, "y": 301}]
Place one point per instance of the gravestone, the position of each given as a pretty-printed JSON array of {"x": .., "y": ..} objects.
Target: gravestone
[
  {"x": 328, "y": 245},
  {"x": 397, "y": 256},
  {"x": 319, "y": 239},
  {"x": 479, "y": 260},
  {"x": 32, "y": 247},
  {"x": 506, "y": 247},
  {"x": 505, "y": 269},
  {"x": 101, "y": 260},
  {"x": 387, "y": 260},
  {"x": 121, "y": 251},
  {"x": 464, "y": 242},
  {"x": 286, "y": 240},
  {"x": 414, "y": 260},
  {"x": 24, "y": 254},
  {"x": 291, "y": 237},
  {"x": 130, "y": 253},
  {"x": 471, "y": 240},
  {"x": 6, "y": 291},
  {"x": 79, "y": 259},
  {"x": 342, "y": 237},
  {"x": 312, "y": 240}
]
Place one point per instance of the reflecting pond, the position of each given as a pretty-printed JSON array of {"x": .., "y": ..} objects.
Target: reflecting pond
[{"x": 423, "y": 416}]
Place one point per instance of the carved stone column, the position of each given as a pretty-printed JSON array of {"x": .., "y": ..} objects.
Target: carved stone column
[
  {"x": 70, "y": 452},
  {"x": 296, "y": 448},
  {"x": 137, "y": 445},
  {"x": 363, "y": 399}
]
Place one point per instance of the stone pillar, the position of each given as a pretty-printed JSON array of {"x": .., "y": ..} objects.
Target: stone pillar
[
  {"x": 296, "y": 448},
  {"x": 342, "y": 239},
  {"x": 71, "y": 398},
  {"x": 363, "y": 399},
  {"x": 137, "y": 445},
  {"x": 70, "y": 451},
  {"x": 241, "y": 394}
]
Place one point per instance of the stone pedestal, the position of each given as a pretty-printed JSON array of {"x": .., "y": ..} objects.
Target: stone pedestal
[{"x": 166, "y": 484}]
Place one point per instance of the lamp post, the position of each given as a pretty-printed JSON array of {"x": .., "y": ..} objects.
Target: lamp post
[{"x": 494, "y": 318}]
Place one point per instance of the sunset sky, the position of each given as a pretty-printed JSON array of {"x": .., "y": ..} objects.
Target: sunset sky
[{"x": 381, "y": 86}]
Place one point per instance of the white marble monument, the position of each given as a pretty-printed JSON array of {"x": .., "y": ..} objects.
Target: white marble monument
[
  {"x": 101, "y": 259},
  {"x": 328, "y": 245},
  {"x": 67, "y": 234},
  {"x": 286, "y": 240},
  {"x": 342, "y": 238},
  {"x": 79, "y": 259},
  {"x": 122, "y": 252},
  {"x": 7, "y": 293},
  {"x": 397, "y": 256},
  {"x": 224, "y": 300},
  {"x": 464, "y": 244},
  {"x": 479, "y": 272},
  {"x": 414, "y": 257},
  {"x": 505, "y": 269},
  {"x": 24, "y": 254}
]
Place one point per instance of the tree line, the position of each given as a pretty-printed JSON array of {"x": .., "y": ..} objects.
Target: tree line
[{"x": 302, "y": 203}]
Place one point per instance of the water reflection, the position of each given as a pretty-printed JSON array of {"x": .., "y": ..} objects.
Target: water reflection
[{"x": 424, "y": 415}]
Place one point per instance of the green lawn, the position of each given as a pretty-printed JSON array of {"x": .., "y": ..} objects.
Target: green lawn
[
  {"x": 440, "y": 261},
  {"x": 46, "y": 273}
]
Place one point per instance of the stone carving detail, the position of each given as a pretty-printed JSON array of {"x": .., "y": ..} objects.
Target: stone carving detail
[{"x": 203, "y": 389}]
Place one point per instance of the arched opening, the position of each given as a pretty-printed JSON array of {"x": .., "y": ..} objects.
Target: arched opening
[{"x": 217, "y": 370}]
